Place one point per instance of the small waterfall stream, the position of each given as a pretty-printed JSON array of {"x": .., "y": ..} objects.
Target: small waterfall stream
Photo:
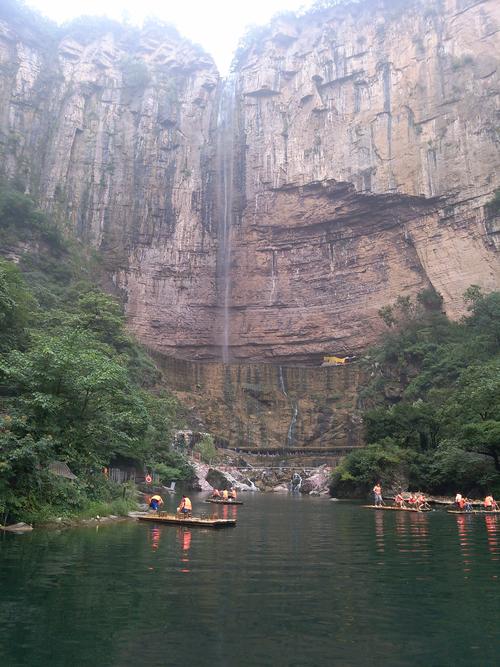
[
  {"x": 295, "y": 483},
  {"x": 282, "y": 381},
  {"x": 225, "y": 168},
  {"x": 294, "y": 403}
]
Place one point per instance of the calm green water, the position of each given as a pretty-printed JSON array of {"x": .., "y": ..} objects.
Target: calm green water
[{"x": 299, "y": 581}]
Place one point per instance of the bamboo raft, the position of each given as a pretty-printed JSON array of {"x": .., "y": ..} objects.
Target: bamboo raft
[
  {"x": 223, "y": 502},
  {"x": 398, "y": 509},
  {"x": 176, "y": 519},
  {"x": 483, "y": 512}
]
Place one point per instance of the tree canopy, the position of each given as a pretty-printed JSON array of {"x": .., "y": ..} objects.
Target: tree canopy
[
  {"x": 74, "y": 386},
  {"x": 434, "y": 402}
]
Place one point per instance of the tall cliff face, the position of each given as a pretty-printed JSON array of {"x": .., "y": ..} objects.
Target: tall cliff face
[
  {"x": 372, "y": 145},
  {"x": 348, "y": 161},
  {"x": 110, "y": 128}
]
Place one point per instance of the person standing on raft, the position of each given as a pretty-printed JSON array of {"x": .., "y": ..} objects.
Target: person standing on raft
[
  {"x": 377, "y": 492},
  {"x": 185, "y": 506}
]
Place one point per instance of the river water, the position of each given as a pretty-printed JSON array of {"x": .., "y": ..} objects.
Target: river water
[{"x": 299, "y": 581}]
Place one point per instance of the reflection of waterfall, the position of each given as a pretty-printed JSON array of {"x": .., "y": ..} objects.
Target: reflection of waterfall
[
  {"x": 225, "y": 167},
  {"x": 295, "y": 482}
]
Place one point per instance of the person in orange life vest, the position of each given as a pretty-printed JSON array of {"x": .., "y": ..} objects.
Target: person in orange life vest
[
  {"x": 232, "y": 494},
  {"x": 461, "y": 503},
  {"x": 412, "y": 500},
  {"x": 421, "y": 501},
  {"x": 185, "y": 506},
  {"x": 377, "y": 492},
  {"x": 216, "y": 493},
  {"x": 225, "y": 495},
  {"x": 399, "y": 500},
  {"x": 489, "y": 503},
  {"x": 156, "y": 502}
]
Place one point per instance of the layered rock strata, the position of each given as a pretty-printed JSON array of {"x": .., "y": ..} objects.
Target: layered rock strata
[
  {"x": 350, "y": 159},
  {"x": 372, "y": 146},
  {"x": 275, "y": 411}
]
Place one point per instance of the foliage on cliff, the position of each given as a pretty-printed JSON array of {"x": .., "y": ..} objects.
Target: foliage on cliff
[
  {"x": 74, "y": 386},
  {"x": 432, "y": 417}
]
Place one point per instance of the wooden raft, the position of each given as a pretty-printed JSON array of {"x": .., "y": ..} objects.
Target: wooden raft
[
  {"x": 397, "y": 509},
  {"x": 483, "y": 512},
  {"x": 187, "y": 520},
  {"x": 223, "y": 502}
]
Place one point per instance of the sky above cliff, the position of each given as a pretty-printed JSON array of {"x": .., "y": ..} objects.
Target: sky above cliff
[{"x": 217, "y": 25}]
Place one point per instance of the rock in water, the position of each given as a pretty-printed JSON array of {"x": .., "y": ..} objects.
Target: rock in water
[{"x": 17, "y": 528}]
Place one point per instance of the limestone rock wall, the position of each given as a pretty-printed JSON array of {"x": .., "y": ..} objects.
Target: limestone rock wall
[
  {"x": 354, "y": 165},
  {"x": 372, "y": 145},
  {"x": 110, "y": 129},
  {"x": 268, "y": 409}
]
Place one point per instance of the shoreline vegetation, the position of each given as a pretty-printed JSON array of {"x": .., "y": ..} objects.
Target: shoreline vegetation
[
  {"x": 75, "y": 387},
  {"x": 431, "y": 410}
]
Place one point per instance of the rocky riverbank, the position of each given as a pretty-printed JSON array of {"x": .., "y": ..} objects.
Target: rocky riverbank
[{"x": 248, "y": 478}]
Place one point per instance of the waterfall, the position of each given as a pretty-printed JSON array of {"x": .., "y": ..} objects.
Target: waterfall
[
  {"x": 225, "y": 168},
  {"x": 295, "y": 482},
  {"x": 291, "y": 401},
  {"x": 282, "y": 382}
]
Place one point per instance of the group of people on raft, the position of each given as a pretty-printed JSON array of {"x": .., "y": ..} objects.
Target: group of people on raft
[
  {"x": 185, "y": 506},
  {"x": 418, "y": 501},
  {"x": 464, "y": 504},
  {"x": 414, "y": 501},
  {"x": 224, "y": 494}
]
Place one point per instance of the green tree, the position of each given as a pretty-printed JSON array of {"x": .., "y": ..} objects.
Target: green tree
[
  {"x": 16, "y": 306},
  {"x": 207, "y": 449}
]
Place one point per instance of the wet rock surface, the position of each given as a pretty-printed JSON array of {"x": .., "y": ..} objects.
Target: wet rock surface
[{"x": 273, "y": 412}]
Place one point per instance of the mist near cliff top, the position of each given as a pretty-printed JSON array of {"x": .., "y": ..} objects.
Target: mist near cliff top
[{"x": 217, "y": 26}]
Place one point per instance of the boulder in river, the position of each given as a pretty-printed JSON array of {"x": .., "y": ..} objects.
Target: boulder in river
[{"x": 18, "y": 528}]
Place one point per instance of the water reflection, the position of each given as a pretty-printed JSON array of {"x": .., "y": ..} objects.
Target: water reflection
[
  {"x": 154, "y": 537},
  {"x": 303, "y": 573},
  {"x": 184, "y": 539},
  {"x": 379, "y": 532},
  {"x": 228, "y": 511},
  {"x": 492, "y": 536},
  {"x": 464, "y": 539},
  {"x": 419, "y": 531}
]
